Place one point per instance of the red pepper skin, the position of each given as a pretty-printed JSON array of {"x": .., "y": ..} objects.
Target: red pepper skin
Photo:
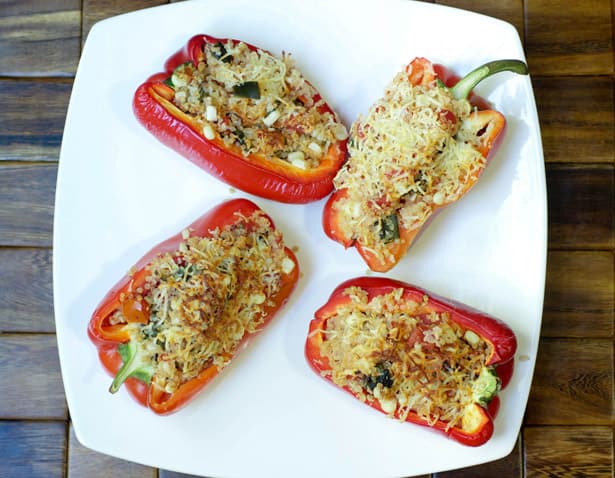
[
  {"x": 268, "y": 178},
  {"x": 108, "y": 337},
  {"x": 420, "y": 73},
  {"x": 493, "y": 331}
]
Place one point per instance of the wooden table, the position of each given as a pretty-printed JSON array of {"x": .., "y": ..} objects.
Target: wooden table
[{"x": 568, "y": 426}]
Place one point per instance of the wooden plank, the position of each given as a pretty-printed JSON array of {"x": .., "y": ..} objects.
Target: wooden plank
[
  {"x": 40, "y": 38},
  {"x": 573, "y": 383},
  {"x": 563, "y": 452},
  {"x": 30, "y": 378},
  {"x": 581, "y": 207},
  {"x": 31, "y": 449},
  {"x": 569, "y": 38},
  {"x": 26, "y": 204},
  {"x": 26, "y": 295},
  {"x": 510, "y": 11},
  {"x": 32, "y": 118},
  {"x": 507, "y": 467},
  {"x": 96, "y": 10},
  {"x": 579, "y": 295},
  {"x": 83, "y": 462},
  {"x": 576, "y": 119}
]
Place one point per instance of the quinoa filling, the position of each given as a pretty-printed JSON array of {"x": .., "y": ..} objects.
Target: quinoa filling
[
  {"x": 408, "y": 358},
  {"x": 256, "y": 104}
]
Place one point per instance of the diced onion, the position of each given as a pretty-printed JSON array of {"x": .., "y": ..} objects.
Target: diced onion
[
  {"x": 388, "y": 405},
  {"x": 257, "y": 298},
  {"x": 211, "y": 114},
  {"x": 208, "y": 132},
  {"x": 340, "y": 132},
  {"x": 271, "y": 118},
  {"x": 287, "y": 265},
  {"x": 471, "y": 337},
  {"x": 297, "y": 158},
  {"x": 315, "y": 147}
]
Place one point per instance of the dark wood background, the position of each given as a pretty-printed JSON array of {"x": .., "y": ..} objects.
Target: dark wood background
[{"x": 568, "y": 426}]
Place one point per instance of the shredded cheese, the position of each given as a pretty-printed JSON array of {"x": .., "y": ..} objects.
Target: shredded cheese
[
  {"x": 405, "y": 356},
  {"x": 286, "y": 118},
  {"x": 406, "y": 157},
  {"x": 206, "y": 296}
]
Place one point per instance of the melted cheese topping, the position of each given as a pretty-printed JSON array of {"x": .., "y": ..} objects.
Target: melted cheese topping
[
  {"x": 411, "y": 153},
  {"x": 408, "y": 358},
  {"x": 284, "y": 122},
  {"x": 206, "y": 296}
]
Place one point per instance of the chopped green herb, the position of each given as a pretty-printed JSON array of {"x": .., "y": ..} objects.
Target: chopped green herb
[
  {"x": 389, "y": 228},
  {"x": 219, "y": 52},
  {"x": 248, "y": 89}
]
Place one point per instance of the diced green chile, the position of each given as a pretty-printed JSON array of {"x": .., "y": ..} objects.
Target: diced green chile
[
  {"x": 169, "y": 81},
  {"x": 389, "y": 228},
  {"x": 219, "y": 52},
  {"x": 248, "y": 89},
  {"x": 382, "y": 375}
]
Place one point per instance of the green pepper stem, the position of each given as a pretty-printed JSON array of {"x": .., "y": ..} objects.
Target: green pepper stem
[
  {"x": 463, "y": 88},
  {"x": 134, "y": 365}
]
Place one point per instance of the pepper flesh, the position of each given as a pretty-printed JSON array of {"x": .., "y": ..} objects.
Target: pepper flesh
[
  {"x": 499, "y": 336},
  {"x": 267, "y": 177},
  {"x": 488, "y": 126},
  {"x": 109, "y": 337}
]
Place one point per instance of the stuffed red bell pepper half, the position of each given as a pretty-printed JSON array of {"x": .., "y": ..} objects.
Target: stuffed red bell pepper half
[
  {"x": 247, "y": 117},
  {"x": 413, "y": 355},
  {"x": 189, "y": 305},
  {"x": 422, "y": 146}
]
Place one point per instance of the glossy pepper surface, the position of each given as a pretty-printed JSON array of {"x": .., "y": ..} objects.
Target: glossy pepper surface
[
  {"x": 501, "y": 339},
  {"x": 261, "y": 175},
  {"x": 113, "y": 340},
  {"x": 487, "y": 126}
]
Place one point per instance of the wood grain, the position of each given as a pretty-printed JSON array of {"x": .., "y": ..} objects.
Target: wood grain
[
  {"x": 510, "y": 11},
  {"x": 30, "y": 378},
  {"x": 32, "y": 118},
  {"x": 573, "y": 383},
  {"x": 85, "y": 463},
  {"x": 569, "y": 37},
  {"x": 26, "y": 296},
  {"x": 32, "y": 449},
  {"x": 40, "y": 38},
  {"x": 579, "y": 294},
  {"x": 507, "y": 467},
  {"x": 576, "y": 119},
  {"x": 26, "y": 204},
  {"x": 568, "y": 452},
  {"x": 581, "y": 207},
  {"x": 97, "y": 10}
]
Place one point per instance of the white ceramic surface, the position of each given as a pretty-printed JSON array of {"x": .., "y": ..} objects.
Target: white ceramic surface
[{"x": 120, "y": 191}]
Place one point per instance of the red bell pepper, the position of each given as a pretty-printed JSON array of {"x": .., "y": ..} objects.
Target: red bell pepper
[
  {"x": 500, "y": 340},
  {"x": 117, "y": 351},
  {"x": 486, "y": 126},
  {"x": 258, "y": 174}
]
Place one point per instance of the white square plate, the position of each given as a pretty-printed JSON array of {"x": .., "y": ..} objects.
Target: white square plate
[{"x": 120, "y": 191}]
